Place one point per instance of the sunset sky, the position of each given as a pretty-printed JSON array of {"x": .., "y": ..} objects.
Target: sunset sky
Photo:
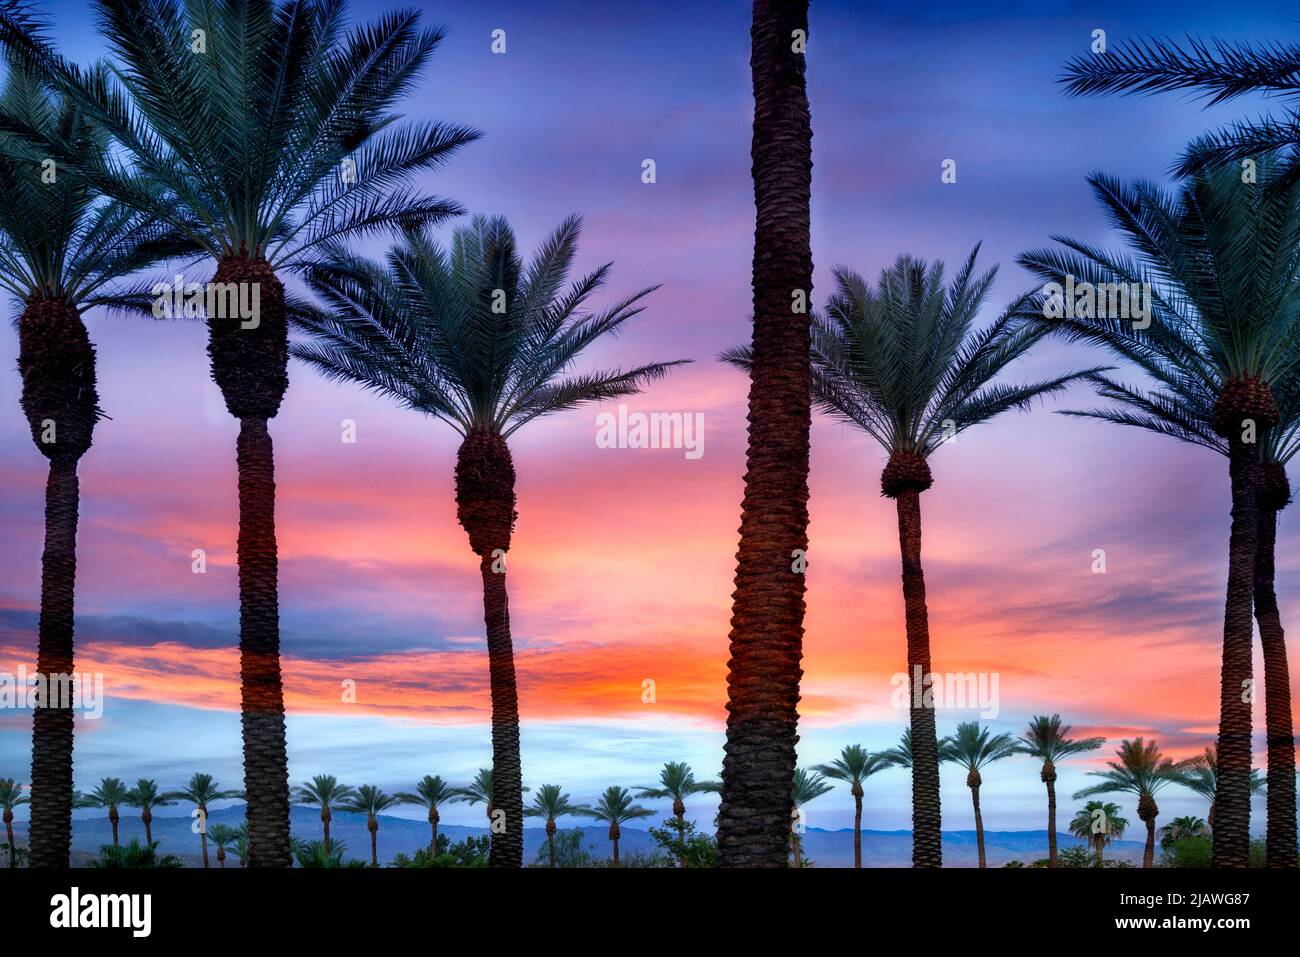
[{"x": 622, "y": 563}]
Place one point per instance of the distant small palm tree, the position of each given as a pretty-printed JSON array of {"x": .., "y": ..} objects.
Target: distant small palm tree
[
  {"x": 1201, "y": 775},
  {"x": 431, "y": 792},
  {"x": 1049, "y": 741},
  {"x": 550, "y": 803},
  {"x": 677, "y": 781},
  {"x": 974, "y": 748},
  {"x": 11, "y": 796},
  {"x": 310, "y": 854},
  {"x": 1098, "y": 823},
  {"x": 223, "y": 836},
  {"x": 239, "y": 845},
  {"x": 617, "y": 808},
  {"x": 1181, "y": 827},
  {"x": 855, "y": 765},
  {"x": 146, "y": 796},
  {"x": 202, "y": 791},
  {"x": 370, "y": 801},
  {"x": 110, "y": 793},
  {"x": 135, "y": 855},
  {"x": 806, "y": 786},
  {"x": 1141, "y": 770},
  {"x": 324, "y": 792}
]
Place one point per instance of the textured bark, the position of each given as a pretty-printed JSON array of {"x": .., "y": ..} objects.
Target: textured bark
[
  {"x": 1147, "y": 813},
  {"x": 57, "y": 364},
  {"x": 113, "y": 819},
  {"x": 203, "y": 833},
  {"x": 1231, "y": 835},
  {"x": 266, "y": 772},
  {"x": 485, "y": 506},
  {"x": 373, "y": 826},
  {"x": 147, "y": 818},
  {"x": 1281, "y": 834},
  {"x": 9, "y": 836},
  {"x": 433, "y": 826},
  {"x": 857, "y": 825},
  {"x": 766, "y": 639},
  {"x": 550, "y": 839},
  {"x": 973, "y": 782},
  {"x": 926, "y": 840},
  {"x": 325, "y": 818},
  {"x": 1048, "y": 775},
  {"x": 221, "y": 857},
  {"x": 249, "y": 362}
]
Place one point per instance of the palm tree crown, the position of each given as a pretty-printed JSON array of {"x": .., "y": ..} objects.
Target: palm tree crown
[
  {"x": 368, "y": 800},
  {"x": 616, "y": 806},
  {"x": 322, "y": 791},
  {"x": 854, "y": 766},
  {"x": 431, "y": 791},
  {"x": 550, "y": 803},
  {"x": 677, "y": 781},
  {"x": 1049, "y": 740}
]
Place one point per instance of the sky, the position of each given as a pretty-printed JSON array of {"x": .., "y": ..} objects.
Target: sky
[{"x": 622, "y": 563}]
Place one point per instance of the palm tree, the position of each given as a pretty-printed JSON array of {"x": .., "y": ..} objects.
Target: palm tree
[
  {"x": 1098, "y": 829},
  {"x": 146, "y": 796},
  {"x": 277, "y": 140},
  {"x": 324, "y": 792},
  {"x": 1049, "y": 741},
  {"x": 135, "y": 855},
  {"x": 1181, "y": 827},
  {"x": 806, "y": 786},
  {"x": 202, "y": 791},
  {"x": 1222, "y": 260},
  {"x": 370, "y": 801},
  {"x": 61, "y": 252},
  {"x": 431, "y": 792},
  {"x": 1216, "y": 69},
  {"x": 223, "y": 836},
  {"x": 319, "y": 854},
  {"x": 677, "y": 781},
  {"x": 1141, "y": 771},
  {"x": 472, "y": 337},
  {"x": 855, "y": 765},
  {"x": 110, "y": 793},
  {"x": 903, "y": 363},
  {"x": 550, "y": 803},
  {"x": 11, "y": 796},
  {"x": 766, "y": 639},
  {"x": 478, "y": 791},
  {"x": 900, "y": 756},
  {"x": 1201, "y": 775},
  {"x": 239, "y": 845},
  {"x": 615, "y": 807},
  {"x": 973, "y": 748}
]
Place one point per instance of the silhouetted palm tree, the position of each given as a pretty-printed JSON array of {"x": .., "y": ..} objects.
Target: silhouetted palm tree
[
  {"x": 1201, "y": 775},
  {"x": 974, "y": 748},
  {"x": 324, "y": 792},
  {"x": 146, "y": 796},
  {"x": 616, "y": 807},
  {"x": 550, "y": 803},
  {"x": 110, "y": 793},
  {"x": 272, "y": 139},
  {"x": 431, "y": 792},
  {"x": 1098, "y": 823},
  {"x": 1222, "y": 260},
  {"x": 903, "y": 362},
  {"x": 11, "y": 796},
  {"x": 1049, "y": 741},
  {"x": 475, "y": 338},
  {"x": 854, "y": 766},
  {"x": 1141, "y": 771},
  {"x": 370, "y": 801},
  {"x": 677, "y": 781},
  {"x": 806, "y": 786},
  {"x": 223, "y": 836},
  {"x": 766, "y": 639},
  {"x": 202, "y": 791}
]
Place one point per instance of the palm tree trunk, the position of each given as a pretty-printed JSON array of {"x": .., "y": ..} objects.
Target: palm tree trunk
[
  {"x": 926, "y": 840},
  {"x": 433, "y": 828},
  {"x": 507, "y": 782},
  {"x": 9, "y": 836},
  {"x": 1232, "y": 832},
  {"x": 857, "y": 831},
  {"x": 147, "y": 818},
  {"x": 1281, "y": 834},
  {"x": 49, "y": 830},
  {"x": 1149, "y": 852},
  {"x": 796, "y": 847},
  {"x": 112, "y": 822},
  {"x": 374, "y": 842},
  {"x": 766, "y": 640},
  {"x": 979, "y": 824},
  {"x": 1098, "y": 844},
  {"x": 203, "y": 837},
  {"x": 1049, "y": 777},
  {"x": 325, "y": 825},
  {"x": 550, "y": 840},
  {"x": 614, "y": 836},
  {"x": 221, "y": 858}
]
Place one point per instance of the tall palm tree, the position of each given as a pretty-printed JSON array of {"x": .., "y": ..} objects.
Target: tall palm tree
[
  {"x": 1141, "y": 770},
  {"x": 275, "y": 139},
  {"x": 975, "y": 748},
  {"x": 370, "y": 801},
  {"x": 550, "y": 803},
  {"x": 1181, "y": 827},
  {"x": 677, "y": 781},
  {"x": 202, "y": 791},
  {"x": 1049, "y": 741},
  {"x": 1218, "y": 70},
  {"x": 1201, "y": 775},
  {"x": 1086, "y": 823},
  {"x": 110, "y": 794},
  {"x": 324, "y": 792},
  {"x": 11, "y": 796},
  {"x": 904, "y": 363},
  {"x": 766, "y": 639},
  {"x": 1222, "y": 260},
  {"x": 473, "y": 337},
  {"x": 615, "y": 807},
  {"x": 431, "y": 792},
  {"x": 146, "y": 796},
  {"x": 223, "y": 836},
  {"x": 806, "y": 785},
  {"x": 854, "y": 766},
  {"x": 62, "y": 251}
]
